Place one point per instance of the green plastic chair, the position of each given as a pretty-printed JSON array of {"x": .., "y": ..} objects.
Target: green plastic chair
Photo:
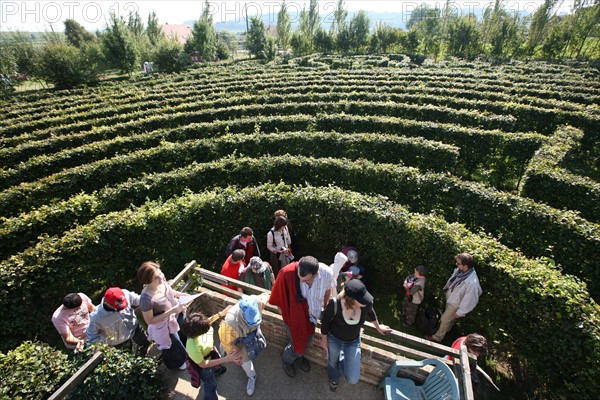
[{"x": 441, "y": 384}]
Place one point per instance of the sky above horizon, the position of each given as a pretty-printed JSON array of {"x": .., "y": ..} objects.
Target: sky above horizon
[{"x": 48, "y": 16}]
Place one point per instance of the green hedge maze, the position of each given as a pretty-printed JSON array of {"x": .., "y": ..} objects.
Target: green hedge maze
[{"x": 410, "y": 164}]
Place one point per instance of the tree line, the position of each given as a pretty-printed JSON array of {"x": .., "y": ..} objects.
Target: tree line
[{"x": 125, "y": 43}]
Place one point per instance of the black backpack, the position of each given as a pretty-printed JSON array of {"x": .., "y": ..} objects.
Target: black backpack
[{"x": 428, "y": 316}]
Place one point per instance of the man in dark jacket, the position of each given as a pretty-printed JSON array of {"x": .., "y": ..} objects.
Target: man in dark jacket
[{"x": 245, "y": 241}]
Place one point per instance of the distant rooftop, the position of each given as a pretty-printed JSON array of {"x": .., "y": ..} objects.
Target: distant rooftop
[{"x": 177, "y": 31}]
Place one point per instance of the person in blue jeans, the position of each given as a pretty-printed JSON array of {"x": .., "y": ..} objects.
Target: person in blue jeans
[
  {"x": 203, "y": 360},
  {"x": 341, "y": 324}
]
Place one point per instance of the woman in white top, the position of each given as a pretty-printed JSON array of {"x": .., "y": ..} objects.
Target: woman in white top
[{"x": 279, "y": 244}]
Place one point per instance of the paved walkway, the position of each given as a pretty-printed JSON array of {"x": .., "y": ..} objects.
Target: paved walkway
[{"x": 272, "y": 383}]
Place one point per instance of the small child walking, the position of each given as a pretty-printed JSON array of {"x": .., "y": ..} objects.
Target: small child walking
[{"x": 414, "y": 285}]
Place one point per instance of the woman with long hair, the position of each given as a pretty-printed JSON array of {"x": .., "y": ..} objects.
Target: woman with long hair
[
  {"x": 341, "y": 325},
  {"x": 279, "y": 244}
]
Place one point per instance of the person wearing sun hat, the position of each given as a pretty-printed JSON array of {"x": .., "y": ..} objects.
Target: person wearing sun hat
[
  {"x": 114, "y": 321},
  {"x": 341, "y": 326},
  {"x": 240, "y": 332},
  {"x": 258, "y": 273},
  {"x": 351, "y": 254}
]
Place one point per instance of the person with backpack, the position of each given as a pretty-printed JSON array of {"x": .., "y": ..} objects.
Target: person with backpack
[
  {"x": 240, "y": 332},
  {"x": 341, "y": 326},
  {"x": 290, "y": 228},
  {"x": 204, "y": 362},
  {"x": 462, "y": 294},
  {"x": 279, "y": 243},
  {"x": 258, "y": 273},
  {"x": 414, "y": 286}
]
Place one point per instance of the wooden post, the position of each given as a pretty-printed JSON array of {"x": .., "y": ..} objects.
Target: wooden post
[{"x": 467, "y": 385}]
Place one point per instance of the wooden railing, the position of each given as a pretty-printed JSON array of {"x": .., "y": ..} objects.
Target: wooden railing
[{"x": 377, "y": 354}]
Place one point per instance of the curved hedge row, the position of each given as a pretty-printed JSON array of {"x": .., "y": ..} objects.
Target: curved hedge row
[
  {"x": 547, "y": 182},
  {"x": 478, "y": 147},
  {"x": 536, "y": 229},
  {"x": 197, "y": 112},
  {"x": 490, "y": 80},
  {"x": 95, "y": 175},
  {"x": 111, "y": 105},
  {"x": 552, "y": 115},
  {"x": 541, "y": 314}
]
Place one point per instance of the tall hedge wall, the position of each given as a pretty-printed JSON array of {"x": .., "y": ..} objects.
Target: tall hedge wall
[
  {"x": 538, "y": 230},
  {"x": 546, "y": 318},
  {"x": 546, "y": 181}
]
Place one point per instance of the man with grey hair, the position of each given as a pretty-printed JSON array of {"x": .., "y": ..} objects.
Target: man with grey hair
[{"x": 301, "y": 292}]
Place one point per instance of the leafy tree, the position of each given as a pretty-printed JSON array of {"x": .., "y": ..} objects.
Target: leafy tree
[
  {"x": 384, "y": 38},
  {"x": 203, "y": 37},
  {"x": 339, "y": 18},
  {"x": 138, "y": 32},
  {"x": 8, "y": 60},
  {"x": 324, "y": 42},
  {"x": 226, "y": 44},
  {"x": 343, "y": 40},
  {"x": 8, "y": 66},
  {"x": 284, "y": 28},
  {"x": 222, "y": 51},
  {"x": 135, "y": 24},
  {"x": 169, "y": 56},
  {"x": 556, "y": 40},
  {"x": 24, "y": 52},
  {"x": 429, "y": 30},
  {"x": 501, "y": 32},
  {"x": 76, "y": 33},
  {"x": 65, "y": 66},
  {"x": 299, "y": 44},
  {"x": 359, "y": 31},
  {"x": 410, "y": 41},
  {"x": 506, "y": 37},
  {"x": 270, "y": 51},
  {"x": 463, "y": 37},
  {"x": 540, "y": 27},
  {"x": 417, "y": 15},
  {"x": 120, "y": 46},
  {"x": 94, "y": 54},
  {"x": 256, "y": 38},
  {"x": 153, "y": 30},
  {"x": 584, "y": 25},
  {"x": 310, "y": 24}
]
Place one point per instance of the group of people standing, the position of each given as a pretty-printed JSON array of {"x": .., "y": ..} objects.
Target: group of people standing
[
  {"x": 305, "y": 292},
  {"x": 462, "y": 295},
  {"x": 115, "y": 321}
]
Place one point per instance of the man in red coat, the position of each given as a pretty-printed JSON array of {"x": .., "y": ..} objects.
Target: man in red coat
[{"x": 287, "y": 296}]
